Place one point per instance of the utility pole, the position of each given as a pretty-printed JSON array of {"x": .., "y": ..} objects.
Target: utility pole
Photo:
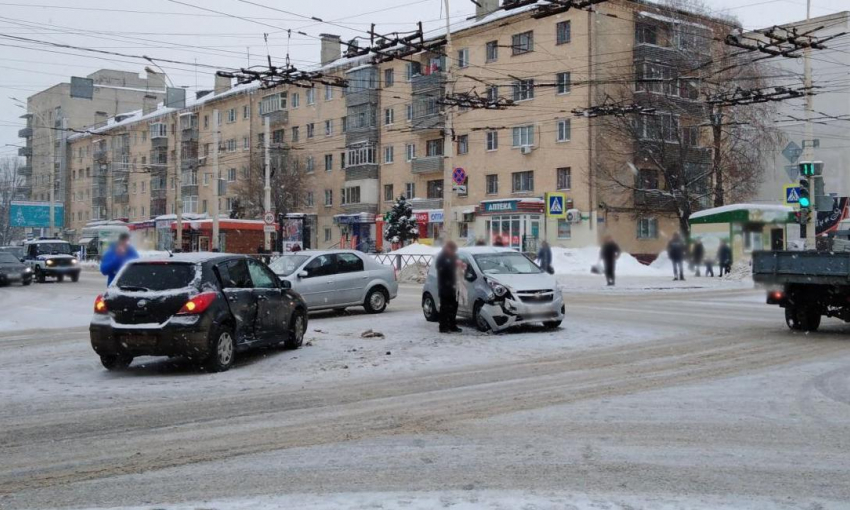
[
  {"x": 52, "y": 232},
  {"x": 178, "y": 185},
  {"x": 216, "y": 179},
  {"x": 717, "y": 133},
  {"x": 808, "y": 144},
  {"x": 267, "y": 160},
  {"x": 448, "y": 145}
]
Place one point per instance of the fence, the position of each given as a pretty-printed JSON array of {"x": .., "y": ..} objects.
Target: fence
[{"x": 399, "y": 261}]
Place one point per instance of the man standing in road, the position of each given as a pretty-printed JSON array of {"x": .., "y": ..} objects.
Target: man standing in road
[
  {"x": 697, "y": 256},
  {"x": 609, "y": 254},
  {"x": 724, "y": 258},
  {"x": 676, "y": 251},
  {"x": 544, "y": 258},
  {"x": 116, "y": 257},
  {"x": 447, "y": 287}
]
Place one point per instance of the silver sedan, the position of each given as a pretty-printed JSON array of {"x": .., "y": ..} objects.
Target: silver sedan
[{"x": 338, "y": 279}]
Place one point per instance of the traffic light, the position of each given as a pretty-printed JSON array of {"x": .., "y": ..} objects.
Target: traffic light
[
  {"x": 805, "y": 194},
  {"x": 811, "y": 168}
]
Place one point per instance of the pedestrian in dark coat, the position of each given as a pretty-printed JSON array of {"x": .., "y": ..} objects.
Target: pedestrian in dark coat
[
  {"x": 609, "y": 254},
  {"x": 724, "y": 258},
  {"x": 676, "y": 251},
  {"x": 544, "y": 258},
  {"x": 447, "y": 263},
  {"x": 698, "y": 255}
]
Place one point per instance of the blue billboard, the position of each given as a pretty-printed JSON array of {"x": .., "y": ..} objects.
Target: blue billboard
[{"x": 36, "y": 214}]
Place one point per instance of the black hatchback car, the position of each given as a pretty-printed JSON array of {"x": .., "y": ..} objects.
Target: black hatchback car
[
  {"x": 13, "y": 271},
  {"x": 205, "y": 306}
]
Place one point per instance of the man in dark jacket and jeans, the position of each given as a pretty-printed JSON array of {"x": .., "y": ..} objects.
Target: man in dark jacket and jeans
[
  {"x": 609, "y": 254},
  {"x": 676, "y": 251},
  {"x": 447, "y": 264}
]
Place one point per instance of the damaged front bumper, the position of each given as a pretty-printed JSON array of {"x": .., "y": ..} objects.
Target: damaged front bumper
[{"x": 513, "y": 311}]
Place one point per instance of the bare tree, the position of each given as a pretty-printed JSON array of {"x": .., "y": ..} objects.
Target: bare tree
[
  {"x": 10, "y": 184},
  {"x": 289, "y": 186}
]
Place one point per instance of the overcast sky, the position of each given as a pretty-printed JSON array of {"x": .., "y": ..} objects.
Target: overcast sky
[{"x": 175, "y": 30}]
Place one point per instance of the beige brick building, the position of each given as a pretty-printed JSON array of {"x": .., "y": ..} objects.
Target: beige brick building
[{"x": 386, "y": 136}]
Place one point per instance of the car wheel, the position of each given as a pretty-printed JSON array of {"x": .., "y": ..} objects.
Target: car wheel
[
  {"x": 75, "y": 277},
  {"x": 297, "y": 328},
  {"x": 114, "y": 362},
  {"x": 802, "y": 319},
  {"x": 429, "y": 308},
  {"x": 60, "y": 278},
  {"x": 376, "y": 300},
  {"x": 39, "y": 274},
  {"x": 26, "y": 283},
  {"x": 480, "y": 322},
  {"x": 222, "y": 350},
  {"x": 552, "y": 324}
]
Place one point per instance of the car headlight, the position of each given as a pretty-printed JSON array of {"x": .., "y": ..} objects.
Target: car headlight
[
  {"x": 74, "y": 261},
  {"x": 27, "y": 270},
  {"x": 498, "y": 289},
  {"x": 50, "y": 262}
]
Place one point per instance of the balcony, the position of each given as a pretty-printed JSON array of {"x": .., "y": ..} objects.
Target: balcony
[
  {"x": 100, "y": 155},
  {"x": 427, "y": 82},
  {"x": 25, "y": 133},
  {"x": 654, "y": 198},
  {"x": 361, "y": 97},
  {"x": 189, "y": 134},
  {"x": 422, "y": 204},
  {"x": 360, "y": 207},
  {"x": 278, "y": 118},
  {"x": 25, "y": 170},
  {"x": 121, "y": 197},
  {"x": 25, "y": 151},
  {"x": 427, "y": 165}
]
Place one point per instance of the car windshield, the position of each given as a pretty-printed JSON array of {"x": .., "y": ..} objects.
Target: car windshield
[
  {"x": 53, "y": 249},
  {"x": 8, "y": 258},
  {"x": 287, "y": 264},
  {"x": 156, "y": 276},
  {"x": 505, "y": 263}
]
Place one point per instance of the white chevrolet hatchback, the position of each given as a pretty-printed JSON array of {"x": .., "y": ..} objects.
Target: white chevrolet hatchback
[{"x": 499, "y": 288}]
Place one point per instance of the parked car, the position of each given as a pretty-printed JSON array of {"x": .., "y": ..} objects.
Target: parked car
[
  {"x": 338, "y": 279},
  {"x": 500, "y": 288},
  {"x": 53, "y": 258},
  {"x": 207, "y": 307},
  {"x": 13, "y": 271},
  {"x": 16, "y": 251}
]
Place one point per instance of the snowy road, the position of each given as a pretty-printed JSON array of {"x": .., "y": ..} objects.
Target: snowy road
[{"x": 686, "y": 397}]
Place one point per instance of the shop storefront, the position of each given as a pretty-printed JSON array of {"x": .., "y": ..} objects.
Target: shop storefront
[
  {"x": 517, "y": 223},
  {"x": 357, "y": 231},
  {"x": 430, "y": 223}
]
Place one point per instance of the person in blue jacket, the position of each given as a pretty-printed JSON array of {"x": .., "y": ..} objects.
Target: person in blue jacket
[{"x": 118, "y": 254}]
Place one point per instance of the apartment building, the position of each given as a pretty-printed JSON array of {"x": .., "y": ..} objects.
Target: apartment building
[
  {"x": 386, "y": 135},
  {"x": 54, "y": 112}
]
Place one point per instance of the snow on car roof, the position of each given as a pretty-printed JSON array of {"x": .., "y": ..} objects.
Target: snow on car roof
[
  {"x": 478, "y": 250},
  {"x": 191, "y": 258},
  {"x": 47, "y": 241}
]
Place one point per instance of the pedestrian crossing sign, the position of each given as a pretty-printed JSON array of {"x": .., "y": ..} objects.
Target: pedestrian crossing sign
[
  {"x": 556, "y": 205},
  {"x": 792, "y": 194}
]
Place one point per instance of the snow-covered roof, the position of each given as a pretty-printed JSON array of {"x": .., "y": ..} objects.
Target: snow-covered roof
[
  {"x": 762, "y": 208},
  {"x": 675, "y": 21}
]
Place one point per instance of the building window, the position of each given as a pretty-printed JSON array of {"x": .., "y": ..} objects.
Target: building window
[
  {"x": 492, "y": 49},
  {"x": 661, "y": 126},
  {"x": 361, "y": 155},
  {"x": 565, "y": 229},
  {"x": 295, "y": 134},
  {"x": 190, "y": 204},
  {"x": 327, "y": 234},
  {"x": 647, "y": 228},
  {"x": 311, "y": 130},
  {"x": 246, "y": 173},
  {"x": 389, "y": 116},
  {"x": 492, "y": 184},
  {"x": 463, "y": 144},
  {"x": 409, "y": 112},
  {"x": 310, "y": 164},
  {"x": 522, "y": 182},
  {"x": 329, "y": 162},
  {"x": 647, "y": 179},
  {"x": 523, "y": 90},
  {"x": 231, "y": 145},
  {"x": 342, "y": 160},
  {"x": 435, "y": 189},
  {"x": 389, "y": 195},
  {"x": 434, "y": 148},
  {"x": 410, "y": 190},
  {"x": 690, "y": 136},
  {"x": 411, "y": 151},
  {"x": 463, "y": 58},
  {"x": 523, "y": 136},
  {"x": 329, "y": 197},
  {"x": 646, "y": 34},
  {"x": 246, "y": 143},
  {"x": 296, "y": 100},
  {"x": 493, "y": 93},
  {"x": 231, "y": 175},
  {"x": 231, "y": 115},
  {"x": 269, "y": 104},
  {"x": 329, "y": 93},
  {"x": 352, "y": 195},
  {"x": 522, "y": 43},
  {"x": 344, "y": 122},
  {"x": 310, "y": 199},
  {"x": 562, "y": 81},
  {"x": 565, "y": 178},
  {"x": 311, "y": 96},
  {"x": 492, "y": 140},
  {"x": 389, "y": 154},
  {"x": 329, "y": 127},
  {"x": 246, "y": 112},
  {"x": 389, "y": 77},
  {"x": 563, "y": 32},
  {"x": 564, "y": 130}
]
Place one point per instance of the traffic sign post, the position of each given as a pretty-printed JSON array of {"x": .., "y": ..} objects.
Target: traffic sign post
[
  {"x": 792, "y": 152},
  {"x": 268, "y": 218},
  {"x": 459, "y": 176},
  {"x": 792, "y": 194},
  {"x": 556, "y": 205}
]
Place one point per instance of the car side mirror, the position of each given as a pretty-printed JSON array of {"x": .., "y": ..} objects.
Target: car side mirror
[
  {"x": 469, "y": 275},
  {"x": 303, "y": 274},
  {"x": 285, "y": 284}
]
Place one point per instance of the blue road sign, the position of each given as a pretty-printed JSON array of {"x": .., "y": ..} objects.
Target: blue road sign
[
  {"x": 35, "y": 214},
  {"x": 792, "y": 194}
]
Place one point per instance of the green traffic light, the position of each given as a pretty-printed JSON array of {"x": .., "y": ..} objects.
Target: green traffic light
[{"x": 805, "y": 202}]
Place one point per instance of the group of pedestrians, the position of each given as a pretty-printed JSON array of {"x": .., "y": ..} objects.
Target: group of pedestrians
[{"x": 677, "y": 251}]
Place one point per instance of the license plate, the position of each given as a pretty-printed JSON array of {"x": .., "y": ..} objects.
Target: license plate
[{"x": 139, "y": 340}]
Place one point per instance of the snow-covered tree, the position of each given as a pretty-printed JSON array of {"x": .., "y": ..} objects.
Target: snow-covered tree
[{"x": 401, "y": 223}]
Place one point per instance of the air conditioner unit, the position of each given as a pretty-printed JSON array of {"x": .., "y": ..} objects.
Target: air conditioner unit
[
  {"x": 526, "y": 149},
  {"x": 574, "y": 216}
]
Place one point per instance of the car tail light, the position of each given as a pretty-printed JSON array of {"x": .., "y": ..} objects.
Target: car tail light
[
  {"x": 777, "y": 295},
  {"x": 100, "y": 305},
  {"x": 198, "y": 304}
]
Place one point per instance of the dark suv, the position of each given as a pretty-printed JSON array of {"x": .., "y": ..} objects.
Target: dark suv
[{"x": 204, "y": 306}]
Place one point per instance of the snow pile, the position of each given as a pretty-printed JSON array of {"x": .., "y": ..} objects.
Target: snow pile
[
  {"x": 413, "y": 273},
  {"x": 416, "y": 249},
  {"x": 580, "y": 260},
  {"x": 740, "y": 271}
]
